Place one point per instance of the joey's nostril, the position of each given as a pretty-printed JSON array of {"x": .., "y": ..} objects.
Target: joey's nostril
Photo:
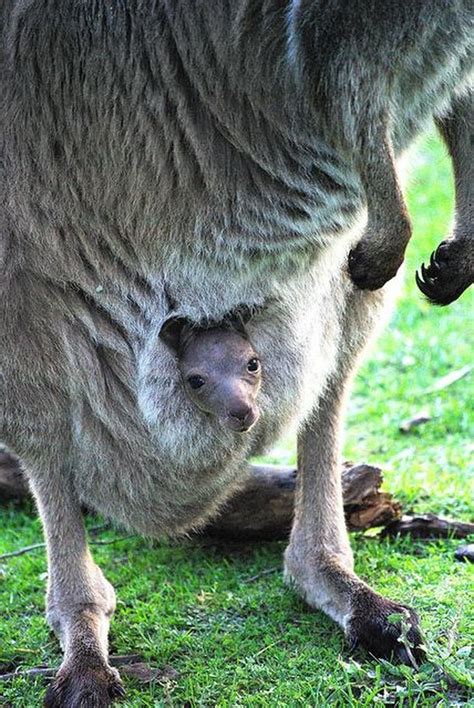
[{"x": 240, "y": 413}]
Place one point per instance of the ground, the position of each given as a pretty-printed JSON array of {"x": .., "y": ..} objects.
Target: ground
[{"x": 221, "y": 616}]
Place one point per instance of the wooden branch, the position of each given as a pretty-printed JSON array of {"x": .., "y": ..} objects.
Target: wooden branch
[
  {"x": 264, "y": 508},
  {"x": 44, "y": 672},
  {"x": 94, "y": 542},
  {"x": 118, "y": 660},
  {"x": 428, "y": 526},
  {"x": 21, "y": 551},
  {"x": 131, "y": 665}
]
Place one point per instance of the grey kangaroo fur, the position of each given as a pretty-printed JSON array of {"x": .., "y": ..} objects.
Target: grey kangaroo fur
[{"x": 227, "y": 153}]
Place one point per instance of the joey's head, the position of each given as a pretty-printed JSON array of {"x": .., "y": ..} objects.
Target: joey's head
[{"x": 220, "y": 369}]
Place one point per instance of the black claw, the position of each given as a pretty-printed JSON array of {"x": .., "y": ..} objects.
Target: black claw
[
  {"x": 353, "y": 644},
  {"x": 433, "y": 289},
  {"x": 117, "y": 691},
  {"x": 434, "y": 266},
  {"x": 428, "y": 286},
  {"x": 426, "y": 274},
  {"x": 401, "y": 655},
  {"x": 424, "y": 287},
  {"x": 443, "y": 280}
]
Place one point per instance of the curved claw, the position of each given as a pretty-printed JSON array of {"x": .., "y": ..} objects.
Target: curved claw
[
  {"x": 426, "y": 274},
  {"x": 434, "y": 265},
  {"x": 447, "y": 275},
  {"x": 423, "y": 284},
  {"x": 117, "y": 691},
  {"x": 428, "y": 287},
  {"x": 353, "y": 644},
  {"x": 419, "y": 281}
]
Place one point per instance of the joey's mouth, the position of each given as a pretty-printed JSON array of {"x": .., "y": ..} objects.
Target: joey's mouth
[{"x": 238, "y": 425}]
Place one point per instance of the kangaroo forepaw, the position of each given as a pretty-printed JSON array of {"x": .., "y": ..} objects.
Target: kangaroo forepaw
[
  {"x": 447, "y": 276},
  {"x": 84, "y": 687},
  {"x": 385, "y": 629},
  {"x": 367, "y": 268}
]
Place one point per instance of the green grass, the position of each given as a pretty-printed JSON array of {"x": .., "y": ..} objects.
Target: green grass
[{"x": 237, "y": 640}]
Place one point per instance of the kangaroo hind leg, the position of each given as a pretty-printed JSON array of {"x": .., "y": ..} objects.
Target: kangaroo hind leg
[{"x": 80, "y": 601}]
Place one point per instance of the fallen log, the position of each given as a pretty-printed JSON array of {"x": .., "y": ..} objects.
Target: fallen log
[{"x": 264, "y": 508}]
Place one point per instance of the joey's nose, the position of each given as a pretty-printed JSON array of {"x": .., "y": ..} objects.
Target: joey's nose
[
  {"x": 242, "y": 419},
  {"x": 240, "y": 413}
]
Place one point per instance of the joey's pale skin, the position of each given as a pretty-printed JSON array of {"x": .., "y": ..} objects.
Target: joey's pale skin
[
  {"x": 220, "y": 371},
  {"x": 227, "y": 153}
]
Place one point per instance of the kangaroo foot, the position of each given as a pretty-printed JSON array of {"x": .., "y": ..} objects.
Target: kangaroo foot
[
  {"x": 384, "y": 628},
  {"x": 448, "y": 274},
  {"x": 85, "y": 685},
  {"x": 326, "y": 581}
]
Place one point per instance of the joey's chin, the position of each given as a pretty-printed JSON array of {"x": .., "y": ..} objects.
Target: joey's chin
[{"x": 240, "y": 426}]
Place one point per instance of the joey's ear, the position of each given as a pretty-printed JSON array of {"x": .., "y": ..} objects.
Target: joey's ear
[
  {"x": 239, "y": 317},
  {"x": 236, "y": 323},
  {"x": 172, "y": 332}
]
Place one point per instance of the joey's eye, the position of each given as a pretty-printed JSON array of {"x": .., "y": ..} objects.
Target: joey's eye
[
  {"x": 253, "y": 365},
  {"x": 196, "y": 381}
]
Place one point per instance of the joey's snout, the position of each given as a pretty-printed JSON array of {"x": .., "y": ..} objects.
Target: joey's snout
[{"x": 238, "y": 403}]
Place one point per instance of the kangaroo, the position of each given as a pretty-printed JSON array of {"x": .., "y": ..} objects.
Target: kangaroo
[
  {"x": 220, "y": 370},
  {"x": 215, "y": 152}
]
